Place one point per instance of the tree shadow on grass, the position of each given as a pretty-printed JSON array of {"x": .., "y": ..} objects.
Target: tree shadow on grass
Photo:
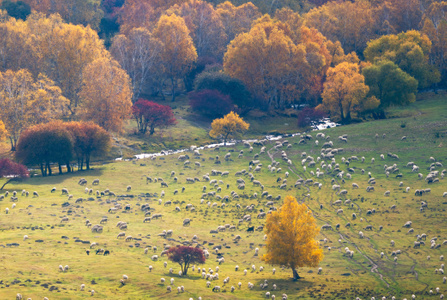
[
  {"x": 284, "y": 285},
  {"x": 56, "y": 178}
]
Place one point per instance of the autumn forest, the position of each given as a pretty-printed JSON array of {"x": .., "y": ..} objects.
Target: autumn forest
[{"x": 94, "y": 60}]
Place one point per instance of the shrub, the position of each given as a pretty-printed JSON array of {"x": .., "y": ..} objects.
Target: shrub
[
  {"x": 226, "y": 85},
  {"x": 210, "y": 103}
]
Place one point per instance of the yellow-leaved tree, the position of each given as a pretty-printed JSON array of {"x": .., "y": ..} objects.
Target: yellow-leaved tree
[
  {"x": 291, "y": 233},
  {"x": 25, "y": 102},
  {"x": 345, "y": 92},
  {"x": 230, "y": 125},
  {"x": 106, "y": 94},
  {"x": 178, "y": 52}
]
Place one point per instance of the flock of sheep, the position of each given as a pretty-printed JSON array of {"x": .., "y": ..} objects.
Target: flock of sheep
[{"x": 262, "y": 178}]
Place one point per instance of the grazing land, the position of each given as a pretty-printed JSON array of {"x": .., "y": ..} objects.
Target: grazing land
[{"x": 55, "y": 223}]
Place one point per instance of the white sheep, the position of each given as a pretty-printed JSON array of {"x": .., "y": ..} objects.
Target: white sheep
[
  {"x": 162, "y": 280},
  {"x": 172, "y": 281},
  {"x": 150, "y": 268}
]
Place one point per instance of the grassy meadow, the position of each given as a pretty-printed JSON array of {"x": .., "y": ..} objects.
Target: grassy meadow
[{"x": 32, "y": 267}]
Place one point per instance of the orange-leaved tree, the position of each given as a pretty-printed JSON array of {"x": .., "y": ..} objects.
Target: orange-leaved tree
[
  {"x": 230, "y": 125},
  {"x": 291, "y": 233}
]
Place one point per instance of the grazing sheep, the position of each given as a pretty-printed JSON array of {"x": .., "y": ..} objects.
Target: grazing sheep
[
  {"x": 162, "y": 280},
  {"x": 150, "y": 268},
  {"x": 82, "y": 287},
  {"x": 168, "y": 289}
]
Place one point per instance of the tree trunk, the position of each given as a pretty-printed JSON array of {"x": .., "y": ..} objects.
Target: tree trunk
[
  {"x": 49, "y": 169},
  {"x": 7, "y": 181},
  {"x": 68, "y": 167},
  {"x": 60, "y": 168},
  {"x": 42, "y": 170},
  {"x": 87, "y": 162},
  {"x": 295, "y": 275},
  {"x": 152, "y": 130},
  {"x": 173, "y": 89},
  {"x": 13, "y": 146}
]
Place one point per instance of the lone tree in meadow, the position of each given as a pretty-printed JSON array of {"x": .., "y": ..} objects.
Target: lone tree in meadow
[
  {"x": 11, "y": 171},
  {"x": 229, "y": 126},
  {"x": 291, "y": 233},
  {"x": 184, "y": 256}
]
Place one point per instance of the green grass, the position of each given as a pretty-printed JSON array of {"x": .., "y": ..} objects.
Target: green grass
[{"x": 32, "y": 268}]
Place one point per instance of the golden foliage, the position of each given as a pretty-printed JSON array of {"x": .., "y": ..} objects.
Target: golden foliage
[
  {"x": 106, "y": 94},
  {"x": 230, "y": 125},
  {"x": 3, "y": 132},
  {"x": 16, "y": 51},
  {"x": 25, "y": 102},
  {"x": 205, "y": 27},
  {"x": 277, "y": 64},
  {"x": 138, "y": 13},
  {"x": 63, "y": 51},
  {"x": 350, "y": 23},
  {"x": 178, "y": 52},
  {"x": 345, "y": 91},
  {"x": 291, "y": 233},
  {"x": 237, "y": 19},
  {"x": 72, "y": 11}
]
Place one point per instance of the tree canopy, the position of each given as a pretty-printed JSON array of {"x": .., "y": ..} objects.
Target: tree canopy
[
  {"x": 179, "y": 53},
  {"x": 230, "y": 126},
  {"x": 25, "y": 102},
  {"x": 152, "y": 115},
  {"x": 410, "y": 51},
  {"x": 345, "y": 92},
  {"x": 388, "y": 83},
  {"x": 291, "y": 233},
  {"x": 185, "y": 256},
  {"x": 12, "y": 170},
  {"x": 107, "y": 88}
]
